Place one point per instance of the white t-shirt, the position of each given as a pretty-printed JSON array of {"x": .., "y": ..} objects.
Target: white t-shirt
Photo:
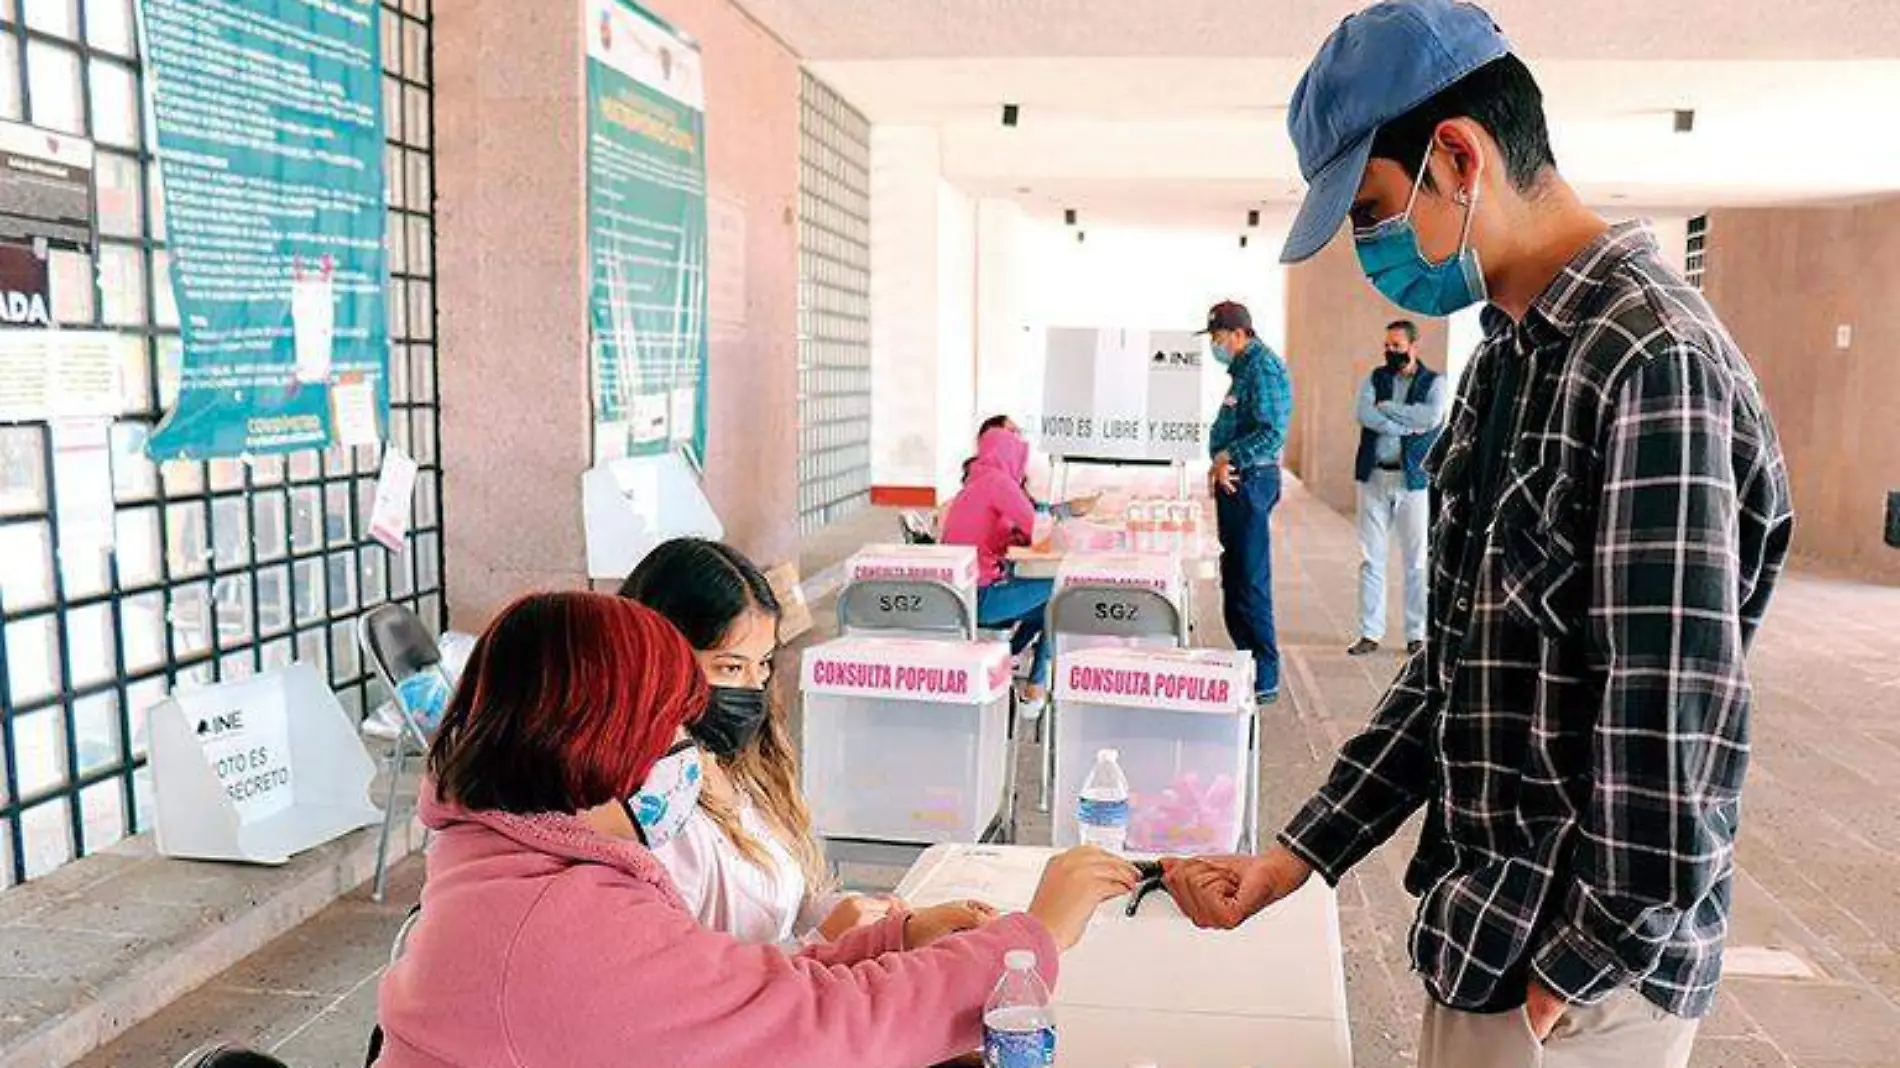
[{"x": 730, "y": 893}]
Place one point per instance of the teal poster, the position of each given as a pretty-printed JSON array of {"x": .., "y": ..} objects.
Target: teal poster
[
  {"x": 646, "y": 232},
  {"x": 270, "y": 145}
]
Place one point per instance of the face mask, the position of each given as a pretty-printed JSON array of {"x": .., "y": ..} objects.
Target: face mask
[
  {"x": 1390, "y": 257},
  {"x": 1396, "y": 361},
  {"x": 1221, "y": 355},
  {"x": 731, "y": 722},
  {"x": 666, "y": 800}
]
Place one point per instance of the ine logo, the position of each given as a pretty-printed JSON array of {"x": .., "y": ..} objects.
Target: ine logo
[{"x": 222, "y": 724}]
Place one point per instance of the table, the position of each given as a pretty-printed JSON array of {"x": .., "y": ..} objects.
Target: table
[
  {"x": 1153, "y": 989},
  {"x": 1203, "y": 566}
]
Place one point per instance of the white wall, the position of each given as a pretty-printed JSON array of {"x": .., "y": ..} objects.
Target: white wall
[
  {"x": 904, "y": 305},
  {"x": 956, "y": 335}
]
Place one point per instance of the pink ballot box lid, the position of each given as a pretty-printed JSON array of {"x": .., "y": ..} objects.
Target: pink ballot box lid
[
  {"x": 1217, "y": 681},
  {"x": 1160, "y": 572},
  {"x": 909, "y": 669},
  {"x": 952, "y": 565}
]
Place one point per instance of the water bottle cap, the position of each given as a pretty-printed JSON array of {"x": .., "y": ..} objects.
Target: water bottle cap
[
  {"x": 1020, "y": 960},
  {"x": 1110, "y": 755}
]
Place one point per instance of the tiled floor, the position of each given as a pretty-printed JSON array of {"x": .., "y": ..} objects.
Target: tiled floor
[{"x": 1820, "y": 847}]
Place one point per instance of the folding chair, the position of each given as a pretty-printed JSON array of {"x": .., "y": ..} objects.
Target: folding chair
[
  {"x": 916, "y": 528},
  {"x": 396, "y": 947},
  {"x": 1103, "y": 611},
  {"x": 398, "y": 646},
  {"x": 220, "y": 1055},
  {"x": 916, "y": 606}
]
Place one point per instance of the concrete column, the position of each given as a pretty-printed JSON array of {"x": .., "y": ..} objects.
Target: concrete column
[
  {"x": 1786, "y": 282},
  {"x": 1335, "y": 329},
  {"x": 512, "y": 299},
  {"x": 511, "y": 239}
]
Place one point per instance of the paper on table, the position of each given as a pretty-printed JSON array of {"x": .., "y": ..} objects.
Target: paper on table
[
  {"x": 395, "y": 489},
  {"x": 353, "y": 403},
  {"x": 1005, "y": 879}
]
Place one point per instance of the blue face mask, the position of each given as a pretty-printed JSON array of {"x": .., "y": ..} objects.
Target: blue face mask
[
  {"x": 664, "y": 802},
  {"x": 1390, "y": 256}
]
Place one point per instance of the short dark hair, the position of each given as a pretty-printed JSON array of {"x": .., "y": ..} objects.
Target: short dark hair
[
  {"x": 992, "y": 423},
  {"x": 1500, "y": 96},
  {"x": 567, "y": 701},
  {"x": 1407, "y": 325}
]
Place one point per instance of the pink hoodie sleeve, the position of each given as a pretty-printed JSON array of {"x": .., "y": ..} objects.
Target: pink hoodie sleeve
[
  {"x": 648, "y": 979},
  {"x": 1017, "y": 510}
]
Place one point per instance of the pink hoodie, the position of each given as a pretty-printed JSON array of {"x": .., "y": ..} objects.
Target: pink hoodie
[
  {"x": 993, "y": 512},
  {"x": 543, "y": 943}
]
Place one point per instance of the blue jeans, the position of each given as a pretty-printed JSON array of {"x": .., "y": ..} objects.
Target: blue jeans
[
  {"x": 1246, "y": 570},
  {"x": 1022, "y": 602}
]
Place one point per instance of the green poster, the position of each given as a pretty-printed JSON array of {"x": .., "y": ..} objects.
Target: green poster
[
  {"x": 270, "y": 147},
  {"x": 646, "y": 230}
]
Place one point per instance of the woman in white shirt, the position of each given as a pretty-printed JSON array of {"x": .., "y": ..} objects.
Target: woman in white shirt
[{"x": 747, "y": 862}]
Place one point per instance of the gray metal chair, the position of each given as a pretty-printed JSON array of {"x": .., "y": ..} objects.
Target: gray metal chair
[
  {"x": 911, "y": 605},
  {"x": 1102, "y": 611},
  {"x": 397, "y": 646}
]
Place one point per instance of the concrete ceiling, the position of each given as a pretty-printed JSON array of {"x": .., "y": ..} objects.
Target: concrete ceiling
[
  {"x": 1554, "y": 29},
  {"x": 1171, "y": 112}
]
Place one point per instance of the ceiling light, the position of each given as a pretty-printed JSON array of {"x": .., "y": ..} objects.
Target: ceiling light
[
  {"x": 1081, "y": 236},
  {"x": 1068, "y": 216},
  {"x": 1010, "y": 114},
  {"x": 1685, "y": 120},
  {"x": 1253, "y": 217},
  {"x": 1243, "y": 240}
]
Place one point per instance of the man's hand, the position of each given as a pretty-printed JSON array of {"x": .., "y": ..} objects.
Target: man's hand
[
  {"x": 1543, "y": 1009},
  {"x": 1223, "y": 478},
  {"x": 1224, "y": 892}
]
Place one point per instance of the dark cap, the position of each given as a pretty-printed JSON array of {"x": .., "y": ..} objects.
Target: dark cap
[{"x": 1227, "y": 315}]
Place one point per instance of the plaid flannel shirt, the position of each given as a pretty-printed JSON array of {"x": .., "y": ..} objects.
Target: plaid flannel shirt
[
  {"x": 1577, "y": 725},
  {"x": 1254, "y": 416}
]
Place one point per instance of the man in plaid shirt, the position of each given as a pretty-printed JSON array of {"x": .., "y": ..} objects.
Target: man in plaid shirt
[{"x": 1611, "y": 514}]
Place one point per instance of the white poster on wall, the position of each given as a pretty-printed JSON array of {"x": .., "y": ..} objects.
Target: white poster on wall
[{"x": 1123, "y": 394}]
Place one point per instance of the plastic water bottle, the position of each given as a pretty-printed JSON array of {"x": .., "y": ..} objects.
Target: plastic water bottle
[
  {"x": 1101, "y": 814},
  {"x": 1019, "y": 1027}
]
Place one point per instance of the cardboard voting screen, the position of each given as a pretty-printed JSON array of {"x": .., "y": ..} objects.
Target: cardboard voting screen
[{"x": 257, "y": 769}]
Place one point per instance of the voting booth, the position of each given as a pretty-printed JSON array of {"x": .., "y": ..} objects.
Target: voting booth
[
  {"x": 631, "y": 505},
  {"x": 257, "y": 769},
  {"x": 952, "y": 565},
  {"x": 905, "y": 739},
  {"x": 1183, "y": 722}
]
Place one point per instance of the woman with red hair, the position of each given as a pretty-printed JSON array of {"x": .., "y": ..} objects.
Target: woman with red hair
[{"x": 543, "y": 942}]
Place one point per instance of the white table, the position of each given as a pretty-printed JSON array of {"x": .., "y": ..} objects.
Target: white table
[{"x": 1153, "y": 989}]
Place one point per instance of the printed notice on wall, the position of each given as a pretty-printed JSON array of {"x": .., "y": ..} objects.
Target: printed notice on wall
[
  {"x": 46, "y": 188},
  {"x": 63, "y": 374},
  {"x": 395, "y": 489},
  {"x": 270, "y": 144},
  {"x": 248, "y": 746},
  {"x": 646, "y": 227}
]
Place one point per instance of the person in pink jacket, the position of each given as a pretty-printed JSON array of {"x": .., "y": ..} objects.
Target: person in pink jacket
[
  {"x": 542, "y": 942},
  {"x": 994, "y": 513}
]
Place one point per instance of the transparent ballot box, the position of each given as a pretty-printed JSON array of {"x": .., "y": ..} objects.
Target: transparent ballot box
[
  {"x": 905, "y": 739},
  {"x": 1182, "y": 721}
]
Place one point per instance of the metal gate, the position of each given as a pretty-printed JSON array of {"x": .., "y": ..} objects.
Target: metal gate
[
  {"x": 223, "y": 568},
  {"x": 834, "y": 308}
]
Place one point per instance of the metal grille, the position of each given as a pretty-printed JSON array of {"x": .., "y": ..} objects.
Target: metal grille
[
  {"x": 834, "y": 308},
  {"x": 223, "y": 568},
  {"x": 1697, "y": 251}
]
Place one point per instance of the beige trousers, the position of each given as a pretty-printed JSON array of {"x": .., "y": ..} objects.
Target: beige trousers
[{"x": 1622, "y": 1031}]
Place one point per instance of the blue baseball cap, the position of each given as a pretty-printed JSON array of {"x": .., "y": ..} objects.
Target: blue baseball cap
[{"x": 1378, "y": 65}]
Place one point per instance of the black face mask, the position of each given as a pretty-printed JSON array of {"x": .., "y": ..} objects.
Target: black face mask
[
  {"x": 732, "y": 721},
  {"x": 1396, "y": 361}
]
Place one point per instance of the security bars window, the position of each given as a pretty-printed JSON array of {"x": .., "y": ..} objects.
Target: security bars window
[
  {"x": 834, "y": 308},
  {"x": 1697, "y": 252},
  {"x": 223, "y": 568}
]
